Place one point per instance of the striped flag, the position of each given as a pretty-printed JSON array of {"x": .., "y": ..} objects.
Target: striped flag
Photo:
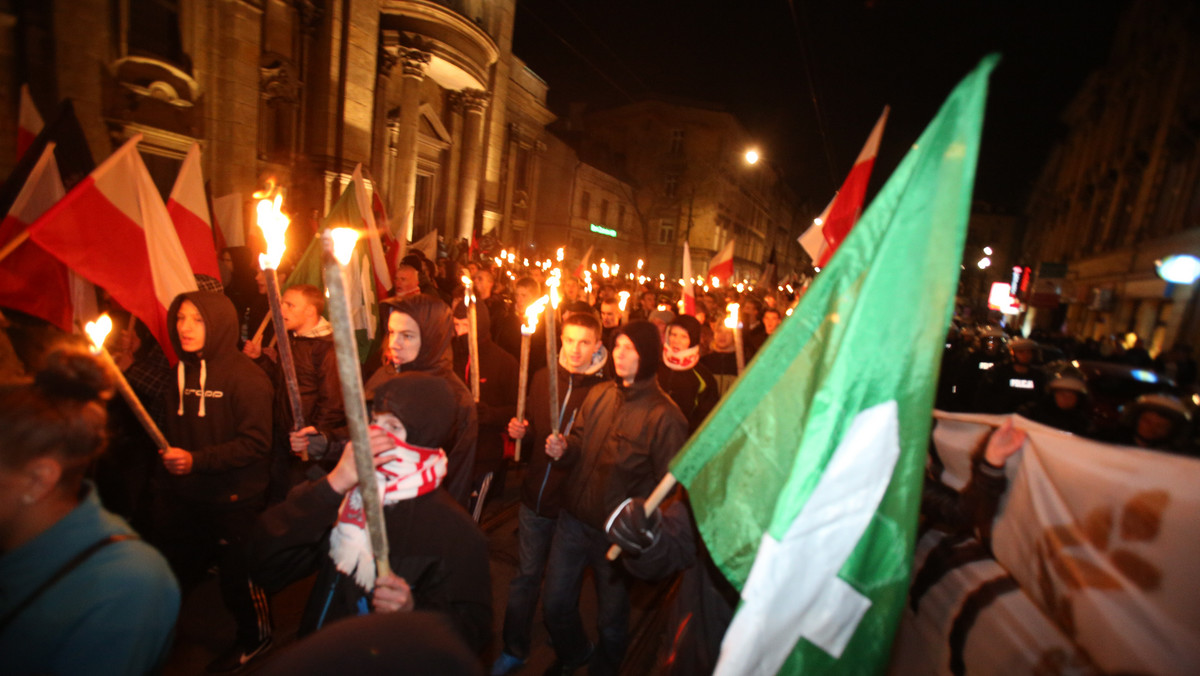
[
  {"x": 188, "y": 207},
  {"x": 114, "y": 230},
  {"x": 29, "y": 122},
  {"x": 843, "y": 211}
]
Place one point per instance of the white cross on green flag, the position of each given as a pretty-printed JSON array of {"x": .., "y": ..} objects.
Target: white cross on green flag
[{"x": 805, "y": 482}]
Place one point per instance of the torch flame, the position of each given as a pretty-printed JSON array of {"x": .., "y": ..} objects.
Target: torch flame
[
  {"x": 344, "y": 240},
  {"x": 553, "y": 283},
  {"x": 531, "y": 315},
  {"x": 466, "y": 280},
  {"x": 274, "y": 225},
  {"x": 731, "y": 321},
  {"x": 624, "y": 299},
  {"x": 98, "y": 331},
  {"x": 559, "y": 254}
]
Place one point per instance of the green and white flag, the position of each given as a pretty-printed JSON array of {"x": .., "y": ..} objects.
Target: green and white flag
[
  {"x": 805, "y": 482},
  {"x": 361, "y": 287}
]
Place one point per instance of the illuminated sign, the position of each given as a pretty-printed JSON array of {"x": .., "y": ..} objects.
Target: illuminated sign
[
  {"x": 601, "y": 230},
  {"x": 985, "y": 365},
  {"x": 1020, "y": 383},
  {"x": 1001, "y": 299}
]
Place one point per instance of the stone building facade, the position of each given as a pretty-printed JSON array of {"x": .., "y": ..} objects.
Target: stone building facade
[
  {"x": 425, "y": 94},
  {"x": 1123, "y": 189},
  {"x": 685, "y": 175}
]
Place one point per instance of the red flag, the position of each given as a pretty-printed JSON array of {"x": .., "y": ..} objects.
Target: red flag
[
  {"x": 721, "y": 265},
  {"x": 847, "y": 205},
  {"x": 114, "y": 229},
  {"x": 188, "y": 208},
  {"x": 32, "y": 280},
  {"x": 366, "y": 207},
  {"x": 29, "y": 123},
  {"x": 689, "y": 288}
]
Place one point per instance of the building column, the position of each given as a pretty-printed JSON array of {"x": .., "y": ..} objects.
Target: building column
[
  {"x": 413, "y": 63},
  {"x": 388, "y": 58},
  {"x": 454, "y": 101},
  {"x": 474, "y": 103}
]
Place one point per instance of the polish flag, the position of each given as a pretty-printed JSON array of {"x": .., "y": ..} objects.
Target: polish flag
[
  {"x": 383, "y": 277},
  {"x": 188, "y": 208},
  {"x": 847, "y": 205},
  {"x": 721, "y": 265},
  {"x": 689, "y": 288},
  {"x": 32, "y": 280},
  {"x": 813, "y": 239},
  {"x": 114, "y": 229},
  {"x": 29, "y": 123},
  {"x": 583, "y": 264}
]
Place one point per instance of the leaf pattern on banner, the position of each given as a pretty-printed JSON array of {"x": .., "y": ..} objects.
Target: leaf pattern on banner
[
  {"x": 1142, "y": 516},
  {"x": 1140, "y": 520}
]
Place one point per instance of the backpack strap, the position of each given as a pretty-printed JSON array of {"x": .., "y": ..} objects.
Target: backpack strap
[{"x": 60, "y": 574}]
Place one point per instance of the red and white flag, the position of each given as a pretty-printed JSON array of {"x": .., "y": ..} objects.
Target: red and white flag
[
  {"x": 29, "y": 123},
  {"x": 721, "y": 265},
  {"x": 114, "y": 229},
  {"x": 32, "y": 280},
  {"x": 689, "y": 288},
  {"x": 583, "y": 264},
  {"x": 383, "y": 278},
  {"x": 188, "y": 208},
  {"x": 813, "y": 239},
  {"x": 227, "y": 213},
  {"x": 847, "y": 204}
]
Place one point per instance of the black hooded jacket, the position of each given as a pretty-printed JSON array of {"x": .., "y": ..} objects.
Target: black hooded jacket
[
  {"x": 497, "y": 389},
  {"x": 224, "y": 419},
  {"x": 436, "y": 358}
]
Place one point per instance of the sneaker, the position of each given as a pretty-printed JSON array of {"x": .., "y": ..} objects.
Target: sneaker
[
  {"x": 506, "y": 664},
  {"x": 238, "y": 656}
]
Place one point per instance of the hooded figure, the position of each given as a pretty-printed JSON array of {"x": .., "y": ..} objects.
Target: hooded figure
[
  {"x": 497, "y": 391},
  {"x": 435, "y": 357},
  {"x": 625, "y": 435},
  {"x": 688, "y": 382},
  {"x": 434, "y": 546},
  {"x": 212, "y": 481},
  {"x": 220, "y": 409}
]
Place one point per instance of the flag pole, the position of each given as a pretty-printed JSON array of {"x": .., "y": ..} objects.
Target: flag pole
[
  {"x": 660, "y": 493},
  {"x": 350, "y": 375},
  {"x": 13, "y": 243}
]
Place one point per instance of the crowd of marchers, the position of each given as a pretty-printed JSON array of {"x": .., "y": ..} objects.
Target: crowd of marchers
[{"x": 100, "y": 529}]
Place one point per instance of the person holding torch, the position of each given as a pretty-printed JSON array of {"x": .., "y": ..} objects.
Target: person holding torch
[
  {"x": 581, "y": 366},
  {"x": 213, "y": 479}
]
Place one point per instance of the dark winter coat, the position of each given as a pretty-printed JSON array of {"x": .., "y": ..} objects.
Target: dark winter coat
[
  {"x": 433, "y": 545},
  {"x": 623, "y": 439},
  {"x": 497, "y": 391},
  {"x": 694, "y": 391},
  {"x": 541, "y": 490},
  {"x": 230, "y": 440}
]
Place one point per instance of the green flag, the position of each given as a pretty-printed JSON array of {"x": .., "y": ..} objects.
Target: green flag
[
  {"x": 361, "y": 287},
  {"x": 805, "y": 482}
]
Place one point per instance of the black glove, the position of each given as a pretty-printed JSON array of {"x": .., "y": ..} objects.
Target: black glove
[{"x": 629, "y": 528}]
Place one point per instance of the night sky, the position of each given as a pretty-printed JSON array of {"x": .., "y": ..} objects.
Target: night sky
[{"x": 749, "y": 56}]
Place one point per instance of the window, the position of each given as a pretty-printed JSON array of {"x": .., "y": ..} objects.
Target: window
[
  {"x": 676, "y": 142},
  {"x": 671, "y": 186},
  {"x": 620, "y": 216},
  {"x": 603, "y": 212},
  {"x": 585, "y": 204},
  {"x": 666, "y": 232}
]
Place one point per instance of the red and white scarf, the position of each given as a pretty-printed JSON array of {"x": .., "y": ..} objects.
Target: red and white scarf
[
  {"x": 681, "y": 360},
  {"x": 411, "y": 472}
]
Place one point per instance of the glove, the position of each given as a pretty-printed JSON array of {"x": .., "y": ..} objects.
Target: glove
[{"x": 629, "y": 528}]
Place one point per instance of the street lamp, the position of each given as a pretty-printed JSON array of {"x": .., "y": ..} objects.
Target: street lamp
[
  {"x": 1179, "y": 269},
  {"x": 751, "y": 156}
]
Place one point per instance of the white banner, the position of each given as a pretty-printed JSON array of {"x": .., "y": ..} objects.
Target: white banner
[{"x": 1101, "y": 539}]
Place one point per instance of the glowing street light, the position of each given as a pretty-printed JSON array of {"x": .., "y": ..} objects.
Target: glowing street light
[
  {"x": 751, "y": 156},
  {"x": 1179, "y": 269}
]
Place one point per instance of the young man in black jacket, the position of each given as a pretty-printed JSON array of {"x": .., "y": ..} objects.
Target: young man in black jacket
[
  {"x": 581, "y": 366},
  {"x": 621, "y": 444},
  {"x": 214, "y": 477}
]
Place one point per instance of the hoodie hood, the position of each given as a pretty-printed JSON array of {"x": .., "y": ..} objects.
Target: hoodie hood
[
  {"x": 437, "y": 328},
  {"x": 483, "y": 320},
  {"x": 644, "y": 337},
  {"x": 220, "y": 326}
]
